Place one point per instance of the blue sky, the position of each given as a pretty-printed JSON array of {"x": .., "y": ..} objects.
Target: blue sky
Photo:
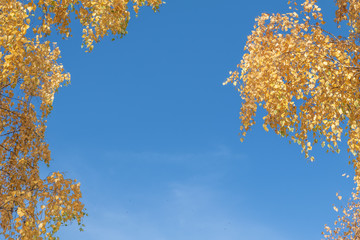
[{"x": 151, "y": 133}]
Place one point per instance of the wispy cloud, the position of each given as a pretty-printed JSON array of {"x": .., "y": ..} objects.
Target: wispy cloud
[
  {"x": 162, "y": 196},
  {"x": 191, "y": 213}
]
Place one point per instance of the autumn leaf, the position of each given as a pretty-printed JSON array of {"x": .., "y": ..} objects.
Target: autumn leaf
[
  {"x": 307, "y": 81},
  {"x": 32, "y": 207}
]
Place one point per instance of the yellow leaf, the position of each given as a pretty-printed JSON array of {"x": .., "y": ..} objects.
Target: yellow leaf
[{"x": 20, "y": 212}]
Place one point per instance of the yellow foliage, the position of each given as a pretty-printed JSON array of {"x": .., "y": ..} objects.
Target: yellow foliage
[
  {"x": 306, "y": 78},
  {"x": 30, "y": 74}
]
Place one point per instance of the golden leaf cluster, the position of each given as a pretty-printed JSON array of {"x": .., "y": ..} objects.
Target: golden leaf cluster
[
  {"x": 32, "y": 207},
  {"x": 347, "y": 225},
  {"x": 305, "y": 78}
]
